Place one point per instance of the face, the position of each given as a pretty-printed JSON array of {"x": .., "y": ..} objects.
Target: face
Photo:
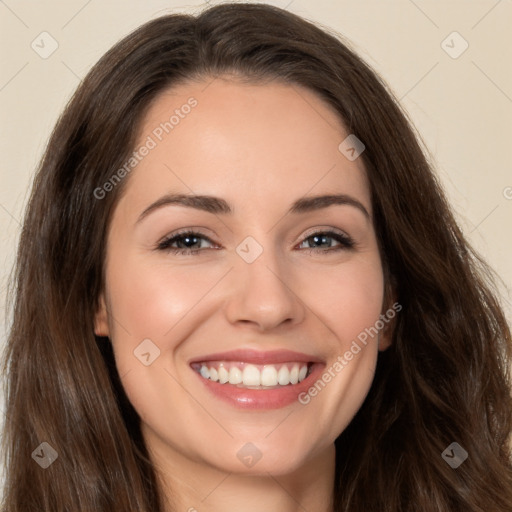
[{"x": 237, "y": 320}]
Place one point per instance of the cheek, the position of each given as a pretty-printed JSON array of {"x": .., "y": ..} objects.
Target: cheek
[
  {"x": 349, "y": 311},
  {"x": 348, "y": 298},
  {"x": 152, "y": 307},
  {"x": 148, "y": 301}
]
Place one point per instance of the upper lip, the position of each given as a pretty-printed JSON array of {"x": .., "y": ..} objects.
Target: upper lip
[{"x": 258, "y": 357}]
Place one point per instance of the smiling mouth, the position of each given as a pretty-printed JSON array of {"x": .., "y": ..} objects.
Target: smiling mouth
[{"x": 253, "y": 376}]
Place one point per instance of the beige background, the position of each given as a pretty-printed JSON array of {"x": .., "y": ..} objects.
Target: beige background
[{"x": 461, "y": 106}]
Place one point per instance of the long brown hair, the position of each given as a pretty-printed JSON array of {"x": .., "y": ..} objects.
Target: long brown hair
[{"x": 445, "y": 378}]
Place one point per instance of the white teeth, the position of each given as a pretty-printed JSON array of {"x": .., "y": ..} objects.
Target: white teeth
[
  {"x": 214, "y": 374},
  {"x": 223, "y": 375},
  {"x": 235, "y": 375},
  {"x": 251, "y": 376},
  {"x": 283, "y": 376},
  {"x": 254, "y": 376},
  {"x": 269, "y": 376},
  {"x": 204, "y": 372},
  {"x": 294, "y": 374}
]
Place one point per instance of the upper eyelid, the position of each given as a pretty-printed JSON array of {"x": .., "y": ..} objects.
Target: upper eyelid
[
  {"x": 186, "y": 232},
  {"x": 314, "y": 231}
]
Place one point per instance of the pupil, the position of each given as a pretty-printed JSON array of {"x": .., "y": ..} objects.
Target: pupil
[
  {"x": 187, "y": 240},
  {"x": 320, "y": 238}
]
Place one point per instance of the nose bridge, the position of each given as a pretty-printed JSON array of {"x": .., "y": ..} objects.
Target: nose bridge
[{"x": 262, "y": 291}]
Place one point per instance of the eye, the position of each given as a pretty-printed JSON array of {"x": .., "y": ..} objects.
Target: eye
[
  {"x": 190, "y": 242},
  {"x": 324, "y": 237}
]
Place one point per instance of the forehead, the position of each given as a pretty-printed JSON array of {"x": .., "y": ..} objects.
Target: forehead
[{"x": 251, "y": 144}]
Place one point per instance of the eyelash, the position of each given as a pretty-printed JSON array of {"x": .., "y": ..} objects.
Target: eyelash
[{"x": 345, "y": 241}]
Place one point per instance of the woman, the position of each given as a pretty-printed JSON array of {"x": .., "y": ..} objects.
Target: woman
[{"x": 239, "y": 286}]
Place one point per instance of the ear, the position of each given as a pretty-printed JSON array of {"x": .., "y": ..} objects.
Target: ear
[
  {"x": 389, "y": 318},
  {"x": 101, "y": 319},
  {"x": 385, "y": 338},
  {"x": 389, "y": 311}
]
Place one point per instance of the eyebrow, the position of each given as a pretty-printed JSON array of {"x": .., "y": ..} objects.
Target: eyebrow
[{"x": 216, "y": 205}]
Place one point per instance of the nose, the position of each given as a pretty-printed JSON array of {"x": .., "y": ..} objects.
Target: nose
[{"x": 264, "y": 294}]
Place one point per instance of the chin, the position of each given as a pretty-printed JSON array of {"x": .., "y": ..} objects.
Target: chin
[{"x": 261, "y": 457}]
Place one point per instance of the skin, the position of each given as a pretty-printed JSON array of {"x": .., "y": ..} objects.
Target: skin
[{"x": 260, "y": 147}]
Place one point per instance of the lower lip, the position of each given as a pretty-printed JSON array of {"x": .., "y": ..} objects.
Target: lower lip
[{"x": 275, "y": 398}]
